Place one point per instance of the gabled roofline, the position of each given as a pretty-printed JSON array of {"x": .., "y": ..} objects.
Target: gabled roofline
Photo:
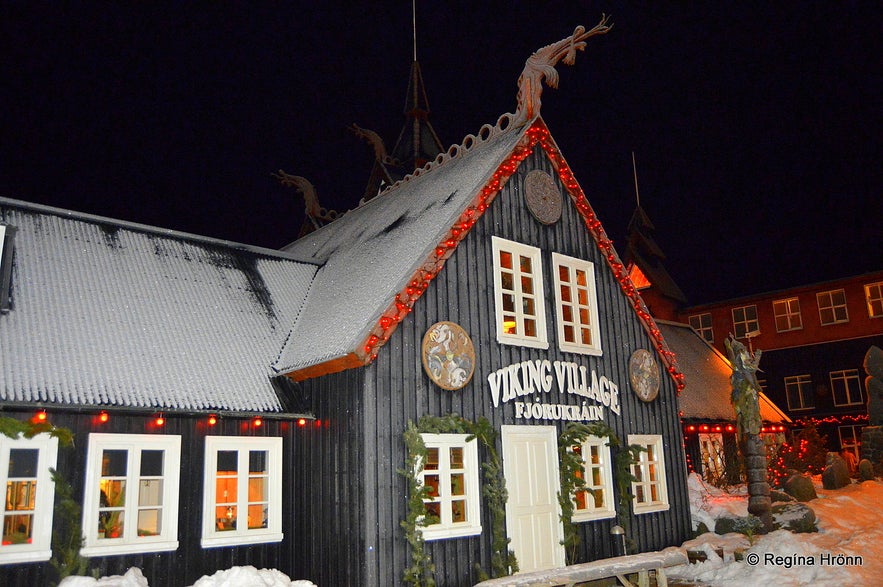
[
  {"x": 536, "y": 133},
  {"x": 146, "y": 228}
]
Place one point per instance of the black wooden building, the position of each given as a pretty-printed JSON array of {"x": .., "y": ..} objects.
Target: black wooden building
[{"x": 258, "y": 400}]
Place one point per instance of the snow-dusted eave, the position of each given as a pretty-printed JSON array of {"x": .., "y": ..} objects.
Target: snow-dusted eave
[
  {"x": 146, "y": 228},
  {"x": 536, "y": 133}
]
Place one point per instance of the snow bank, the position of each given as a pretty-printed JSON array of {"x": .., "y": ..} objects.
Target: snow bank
[
  {"x": 847, "y": 549},
  {"x": 240, "y": 576},
  {"x": 233, "y": 577}
]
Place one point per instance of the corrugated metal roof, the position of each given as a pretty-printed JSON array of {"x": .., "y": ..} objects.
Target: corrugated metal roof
[
  {"x": 106, "y": 313},
  {"x": 706, "y": 395},
  {"x": 369, "y": 253}
]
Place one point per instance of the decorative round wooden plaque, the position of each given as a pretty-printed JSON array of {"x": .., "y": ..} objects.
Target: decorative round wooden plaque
[
  {"x": 543, "y": 197},
  {"x": 644, "y": 375},
  {"x": 448, "y": 355}
]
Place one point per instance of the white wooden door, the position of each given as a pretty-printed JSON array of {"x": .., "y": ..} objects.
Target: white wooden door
[{"x": 530, "y": 466}]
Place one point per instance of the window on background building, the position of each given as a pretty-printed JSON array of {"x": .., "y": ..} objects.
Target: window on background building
[
  {"x": 577, "y": 304},
  {"x": 851, "y": 441},
  {"x": 847, "y": 387},
  {"x": 451, "y": 473},
  {"x": 518, "y": 285},
  {"x": 596, "y": 502},
  {"x": 798, "y": 389},
  {"x": 701, "y": 323},
  {"x": 26, "y": 517},
  {"x": 242, "y": 499},
  {"x": 649, "y": 488},
  {"x": 874, "y": 298},
  {"x": 131, "y": 497},
  {"x": 832, "y": 307},
  {"x": 787, "y": 313},
  {"x": 745, "y": 321}
]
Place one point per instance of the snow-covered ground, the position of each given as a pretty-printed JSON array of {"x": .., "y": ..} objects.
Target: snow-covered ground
[{"x": 847, "y": 549}]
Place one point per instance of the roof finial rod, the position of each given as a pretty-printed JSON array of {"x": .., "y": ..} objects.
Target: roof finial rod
[
  {"x": 414, "y": 25},
  {"x": 635, "y": 172}
]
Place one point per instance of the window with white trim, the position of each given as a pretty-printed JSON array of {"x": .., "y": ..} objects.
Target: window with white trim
[
  {"x": 874, "y": 298},
  {"x": 242, "y": 499},
  {"x": 787, "y": 313},
  {"x": 518, "y": 294},
  {"x": 851, "y": 439},
  {"x": 846, "y": 387},
  {"x": 131, "y": 497},
  {"x": 26, "y": 517},
  {"x": 701, "y": 323},
  {"x": 832, "y": 307},
  {"x": 745, "y": 321},
  {"x": 798, "y": 390},
  {"x": 451, "y": 474},
  {"x": 577, "y": 303},
  {"x": 649, "y": 490},
  {"x": 596, "y": 501}
]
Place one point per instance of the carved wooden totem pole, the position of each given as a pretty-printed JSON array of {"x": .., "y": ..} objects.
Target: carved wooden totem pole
[{"x": 744, "y": 398}]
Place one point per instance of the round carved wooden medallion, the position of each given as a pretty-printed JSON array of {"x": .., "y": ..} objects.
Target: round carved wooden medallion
[
  {"x": 543, "y": 197},
  {"x": 644, "y": 375},
  {"x": 448, "y": 355}
]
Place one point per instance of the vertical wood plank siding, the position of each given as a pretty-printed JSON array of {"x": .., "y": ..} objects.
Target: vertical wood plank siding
[
  {"x": 397, "y": 390},
  {"x": 187, "y": 564}
]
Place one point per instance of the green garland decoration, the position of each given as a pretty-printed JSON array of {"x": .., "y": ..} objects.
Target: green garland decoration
[
  {"x": 571, "y": 468},
  {"x": 67, "y": 540},
  {"x": 503, "y": 561}
]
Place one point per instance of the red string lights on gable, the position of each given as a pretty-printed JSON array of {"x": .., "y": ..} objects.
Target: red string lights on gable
[{"x": 538, "y": 133}]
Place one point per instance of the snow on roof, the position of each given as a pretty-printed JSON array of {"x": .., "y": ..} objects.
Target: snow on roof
[
  {"x": 369, "y": 253},
  {"x": 111, "y": 314},
  {"x": 706, "y": 395}
]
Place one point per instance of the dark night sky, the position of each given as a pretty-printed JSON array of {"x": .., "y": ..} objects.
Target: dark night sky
[{"x": 756, "y": 126}]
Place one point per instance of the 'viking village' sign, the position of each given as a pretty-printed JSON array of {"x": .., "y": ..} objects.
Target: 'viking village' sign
[{"x": 521, "y": 381}]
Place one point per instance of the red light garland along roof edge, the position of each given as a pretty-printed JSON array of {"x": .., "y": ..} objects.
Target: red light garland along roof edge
[{"x": 537, "y": 133}]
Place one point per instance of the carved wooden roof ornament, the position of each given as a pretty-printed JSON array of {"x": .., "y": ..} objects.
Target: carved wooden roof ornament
[
  {"x": 541, "y": 65},
  {"x": 373, "y": 139},
  {"x": 317, "y": 215}
]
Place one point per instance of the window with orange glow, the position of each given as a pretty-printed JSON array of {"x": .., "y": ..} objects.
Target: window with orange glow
[
  {"x": 130, "y": 503},
  {"x": 649, "y": 488},
  {"x": 450, "y": 471},
  {"x": 26, "y": 515},
  {"x": 243, "y": 490},
  {"x": 596, "y": 501},
  {"x": 577, "y": 304},
  {"x": 701, "y": 323},
  {"x": 874, "y": 299},
  {"x": 832, "y": 307},
  {"x": 787, "y": 314},
  {"x": 518, "y": 285}
]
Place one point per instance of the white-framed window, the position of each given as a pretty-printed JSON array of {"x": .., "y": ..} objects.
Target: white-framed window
[
  {"x": 798, "y": 390},
  {"x": 26, "y": 516},
  {"x": 745, "y": 321},
  {"x": 7, "y": 232},
  {"x": 832, "y": 307},
  {"x": 649, "y": 490},
  {"x": 787, "y": 313},
  {"x": 701, "y": 323},
  {"x": 131, "y": 497},
  {"x": 242, "y": 497},
  {"x": 846, "y": 387},
  {"x": 851, "y": 441},
  {"x": 518, "y": 293},
  {"x": 577, "y": 303},
  {"x": 451, "y": 474},
  {"x": 596, "y": 501},
  {"x": 874, "y": 298}
]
